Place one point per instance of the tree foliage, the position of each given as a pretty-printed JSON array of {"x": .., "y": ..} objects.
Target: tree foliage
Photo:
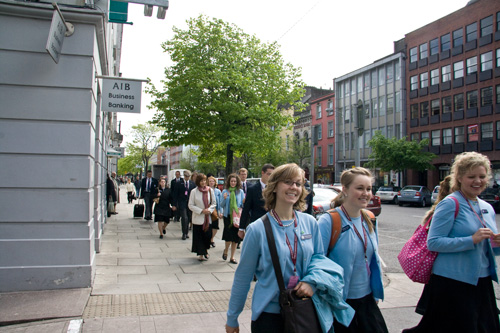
[
  {"x": 301, "y": 153},
  {"x": 145, "y": 142},
  {"x": 398, "y": 155},
  {"x": 224, "y": 91},
  {"x": 128, "y": 164}
]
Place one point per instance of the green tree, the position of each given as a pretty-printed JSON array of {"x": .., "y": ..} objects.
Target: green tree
[
  {"x": 129, "y": 164},
  {"x": 300, "y": 153},
  {"x": 225, "y": 89},
  {"x": 145, "y": 142},
  {"x": 398, "y": 154}
]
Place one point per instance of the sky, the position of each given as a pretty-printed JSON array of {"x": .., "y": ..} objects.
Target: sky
[{"x": 325, "y": 38}]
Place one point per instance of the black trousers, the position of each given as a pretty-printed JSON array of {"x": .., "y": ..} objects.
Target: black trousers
[{"x": 268, "y": 323}]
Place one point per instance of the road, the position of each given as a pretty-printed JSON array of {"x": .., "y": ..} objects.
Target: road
[{"x": 396, "y": 225}]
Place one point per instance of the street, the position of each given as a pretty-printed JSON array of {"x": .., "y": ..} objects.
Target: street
[{"x": 396, "y": 225}]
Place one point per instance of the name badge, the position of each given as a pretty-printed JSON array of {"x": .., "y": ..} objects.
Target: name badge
[
  {"x": 186, "y": 193},
  {"x": 484, "y": 211},
  {"x": 306, "y": 236},
  {"x": 345, "y": 228}
]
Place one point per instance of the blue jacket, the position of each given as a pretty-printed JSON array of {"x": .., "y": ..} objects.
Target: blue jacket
[
  {"x": 459, "y": 258},
  {"x": 343, "y": 253},
  {"x": 256, "y": 259},
  {"x": 240, "y": 195},
  {"x": 218, "y": 198},
  {"x": 328, "y": 300}
]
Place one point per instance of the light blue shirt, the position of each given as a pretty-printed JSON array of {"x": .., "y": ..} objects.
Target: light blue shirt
[
  {"x": 240, "y": 196},
  {"x": 458, "y": 257}
]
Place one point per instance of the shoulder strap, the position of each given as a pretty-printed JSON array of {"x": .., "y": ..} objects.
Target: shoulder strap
[
  {"x": 457, "y": 205},
  {"x": 274, "y": 255},
  {"x": 336, "y": 228}
]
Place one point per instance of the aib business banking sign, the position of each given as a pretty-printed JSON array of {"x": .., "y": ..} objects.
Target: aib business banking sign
[{"x": 121, "y": 95}]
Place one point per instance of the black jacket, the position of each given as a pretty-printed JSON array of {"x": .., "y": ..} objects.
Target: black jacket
[
  {"x": 253, "y": 209},
  {"x": 163, "y": 207}
]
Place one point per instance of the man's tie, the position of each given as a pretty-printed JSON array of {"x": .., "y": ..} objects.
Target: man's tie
[
  {"x": 245, "y": 188},
  {"x": 147, "y": 188}
]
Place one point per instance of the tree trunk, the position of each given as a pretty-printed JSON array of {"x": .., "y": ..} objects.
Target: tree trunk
[{"x": 229, "y": 159}]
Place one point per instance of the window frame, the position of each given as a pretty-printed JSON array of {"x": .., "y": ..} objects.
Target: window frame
[
  {"x": 445, "y": 44},
  {"x": 472, "y": 99},
  {"x": 471, "y": 64},
  {"x": 486, "y": 64},
  {"x": 487, "y": 133},
  {"x": 445, "y": 73},
  {"x": 458, "y": 69},
  {"x": 486, "y": 26},
  {"x": 459, "y": 132},
  {"x": 435, "y": 76},
  {"x": 424, "y": 79},
  {"x": 423, "y": 51},
  {"x": 447, "y": 136},
  {"x": 458, "y": 40},
  {"x": 471, "y": 32},
  {"x": 434, "y": 46}
]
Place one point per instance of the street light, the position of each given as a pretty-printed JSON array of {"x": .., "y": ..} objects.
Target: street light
[{"x": 360, "y": 125}]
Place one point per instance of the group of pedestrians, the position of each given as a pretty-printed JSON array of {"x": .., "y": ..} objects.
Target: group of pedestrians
[{"x": 343, "y": 275}]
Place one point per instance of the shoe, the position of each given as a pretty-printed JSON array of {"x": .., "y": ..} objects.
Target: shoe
[
  {"x": 164, "y": 231},
  {"x": 212, "y": 244},
  {"x": 183, "y": 237},
  {"x": 187, "y": 236},
  {"x": 207, "y": 256},
  {"x": 201, "y": 259},
  {"x": 232, "y": 261},
  {"x": 161, "y": 236},
  {"x": 224, "y": 256},
  {"x": 238, "y": 246}
]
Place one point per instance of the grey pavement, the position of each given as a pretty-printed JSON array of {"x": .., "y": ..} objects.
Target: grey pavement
[{"x": 147, "y": 284}]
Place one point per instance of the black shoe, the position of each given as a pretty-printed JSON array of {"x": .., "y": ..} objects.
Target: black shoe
[
  {"x": 183, "y": 237},
  {"x": 212, "y": 244},
  {"x": 224, "y": 256},
  {"x": 238, "y": 246},
  {"x": 164, "y": 231},
  {"x": 187, "y": 236},
  {"x": 161, "y": 236}
]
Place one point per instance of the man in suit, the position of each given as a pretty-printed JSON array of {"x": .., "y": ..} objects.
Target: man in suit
[
  {"x": 173, "y": 183},
  {"x": 243, "y": 173},
  {"x": 253, "y": 208},
  {"x": 149, "y": 186},
  {"x": 182, "y": 190}
]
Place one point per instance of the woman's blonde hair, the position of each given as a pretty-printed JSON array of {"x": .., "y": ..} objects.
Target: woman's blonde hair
[
  {"x": 465, "y": 162},
  {"x": 212, "y": 178},
  {"x": 444, "y": 190},
  {"x": 280, "y": 174},
  {"x": 346, "y": 179}
]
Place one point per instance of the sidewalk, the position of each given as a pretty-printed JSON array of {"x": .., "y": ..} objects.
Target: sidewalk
[{"x": 147, "y": 284}]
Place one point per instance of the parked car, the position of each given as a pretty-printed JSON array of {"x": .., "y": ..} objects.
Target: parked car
[
  {"x": 388, "y": 193},
  {"x": 323, "y": 196},
  {"x": 220, "y": 183},
  {"x": 491, "y": 196},
  {"x": 414, "y": 194},
  {"x": 435, "y": 194}
]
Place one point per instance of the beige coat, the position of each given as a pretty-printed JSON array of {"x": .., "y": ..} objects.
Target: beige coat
[{"x": 196, "y": 205}]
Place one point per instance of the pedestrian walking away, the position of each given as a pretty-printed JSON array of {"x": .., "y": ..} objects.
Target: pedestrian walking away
[
  {"x": 459, "y": 296},
  {"x": 299, "y": 247},
  {"x": 356, "y": 250}
]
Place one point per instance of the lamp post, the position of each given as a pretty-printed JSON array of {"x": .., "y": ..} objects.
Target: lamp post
[{"x": 360, "y": 125}]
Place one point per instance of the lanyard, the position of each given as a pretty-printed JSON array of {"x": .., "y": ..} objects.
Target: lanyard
[
  {"x": 365, "y": 243},
  {"x": 293, "y": 253},
  {"x": 481, "y": 219}
]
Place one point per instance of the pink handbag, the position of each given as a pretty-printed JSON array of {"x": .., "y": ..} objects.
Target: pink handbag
[
  {"x": 415, "y": 258},
  {"x": 236, "y": 218}
]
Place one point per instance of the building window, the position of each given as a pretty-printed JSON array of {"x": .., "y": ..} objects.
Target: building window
[
  {"x": 424, "y": 109},
  {"x": 471, "y": 65},
  {"x": 445, "y": 42},
  {"x": 423, "y": 51},
  {"x": 367, "y": 110},
  {"x": 367, "y": 81},
  {"x": 424, "y": 135},
  {"x": 347, "y": 88},
  {"x": 414, "y": 111},
  {"x": 397, "y": 131},
  {"x": 374, "y": 79},
  {"x": 381, "y": 100},
  {"x": 486, "y": 61},
  {"x": 458, "y": 70},
  {"x": 320, "y": 131},
  {"x": 458, "y": 37},
  {"x": 498, "y": 21},
  {"x": 330, "y": 154},
  {"x": 329, "y": 107},
  {"x": 471, "y": 32},
  {"x": 434, "y": 46},
  {"x": 487, "y": 132},
  {"x": 435, "y": 107},
  {"x": 472, "y": 99},
  {"x": 390, "y": 133},
  {"x": 347, "y": 114},
  {"x": 319, "y": 155},
  {"x": 381, "y": 76},
  {"x": 374, "y": 107},
  {"x": 306, "y": 137},
  {"x": 446, "y": 103},
  {"x": 498, "y": 94},
  {"x": 487, "y": 96},
  {"x": 459, "y": 134},
  {"x": 414, "y": 82},
  {"x": 498, "y": 57},
  {"x": 434, "y": 76},
  {"x": 446, "y": 73},
  {"x": 390, "y": 73},
  {"x": 414, "y": 136},
  {"x": 487, "y": 26},
  {"x": 330, "y": 129},
  {"x": 447, "y": 137},
  {"x": 459, "y": 102},
  {"x": 398, "y": 72},
  {"x": 424, "y": 80},
  {"x": 353, "y": 140},
  {"x": 396, "y": 102},
  {"x": 360, "y": 83},
  {"x": 413, "y": 54},
  {"x": 353, "y": 87},
  {"x": 436, "y": 138},
  {"x": 498, "y": 130},
  {"x": 366, "y": 138},
  {"x": 390, "y": 103},
  {"x": 318, "y": 111}
]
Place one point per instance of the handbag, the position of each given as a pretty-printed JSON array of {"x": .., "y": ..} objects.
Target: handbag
[
  {"x": 111, "y": 206},
  {"x": 236, "y": 218},
  {"x": 415, "y": 258},
  {"x": 214, "y": 215},
  {"x": 298, "y": 313}
]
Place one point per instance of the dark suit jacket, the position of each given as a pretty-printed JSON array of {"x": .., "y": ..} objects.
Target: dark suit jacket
[
  {"x": 153, "y": 189},
  {"x": 180, "y": 198},
  {"x": 253, "y": 208}
]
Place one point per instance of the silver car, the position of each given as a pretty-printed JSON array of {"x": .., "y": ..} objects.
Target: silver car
[
  {"x": 414, "y": 194},
  {"x": 435, "y": 194},
  {"x": 388, "y": 193}
]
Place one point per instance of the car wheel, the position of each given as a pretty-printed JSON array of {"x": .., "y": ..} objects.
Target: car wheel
[
  {"x": 400, "y": 203},
  {"x": 424, "y": 203},
  {"x": 396, "y": 201}
]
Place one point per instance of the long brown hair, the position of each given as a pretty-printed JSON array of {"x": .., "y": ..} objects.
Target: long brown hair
[
  {"x": 280, "y": 174},
  {"x": 444, "y": 190}
]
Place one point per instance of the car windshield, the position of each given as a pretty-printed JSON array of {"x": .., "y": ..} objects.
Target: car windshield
[
  {"x": 436, "y": 189},
  {"x": 385, "y": 188},
  {"x": 411, "y": 188}
]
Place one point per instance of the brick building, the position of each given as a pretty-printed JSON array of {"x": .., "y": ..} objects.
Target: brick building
[{"x": 453, "y": 85}]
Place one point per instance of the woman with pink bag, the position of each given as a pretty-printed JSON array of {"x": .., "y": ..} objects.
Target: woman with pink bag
[
  {"x": 232, "y": 204},
  {"x": 459, "y": 296}
]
